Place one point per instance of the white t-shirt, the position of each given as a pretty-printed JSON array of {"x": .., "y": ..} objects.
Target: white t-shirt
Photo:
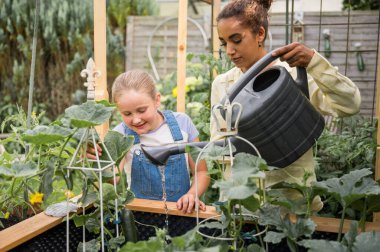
[{"x": 160, "y": 136}]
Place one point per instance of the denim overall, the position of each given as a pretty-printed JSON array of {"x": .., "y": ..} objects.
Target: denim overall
[{"x": 146, "y": 177}]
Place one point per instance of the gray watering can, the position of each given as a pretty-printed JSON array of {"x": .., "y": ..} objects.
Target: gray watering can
[{"x": 277, "y": 116}]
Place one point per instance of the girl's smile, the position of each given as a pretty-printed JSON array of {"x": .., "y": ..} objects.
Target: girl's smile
[{"x": 140, "y": 111}]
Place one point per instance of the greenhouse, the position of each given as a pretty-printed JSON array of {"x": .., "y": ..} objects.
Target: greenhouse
[{"x": 189, "y": 125}]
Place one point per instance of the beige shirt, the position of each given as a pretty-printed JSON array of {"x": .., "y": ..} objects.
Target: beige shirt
[{"x": 331, "y": 93}]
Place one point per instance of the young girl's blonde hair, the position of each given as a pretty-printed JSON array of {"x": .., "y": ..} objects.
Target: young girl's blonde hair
[{"x": 137, "y": 80}]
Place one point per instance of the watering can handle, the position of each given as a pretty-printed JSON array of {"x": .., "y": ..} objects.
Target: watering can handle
[{"x": 301, "y": 80}]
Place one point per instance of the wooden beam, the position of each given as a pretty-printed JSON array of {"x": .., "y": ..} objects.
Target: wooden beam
[
  {"x": 207, "y": 1},
  {"x": 215, "y": 36},
  {"x": 376, "y": 216},
  {"x": 23, "y": 231},
  {"x": 181, "y": 55},
  {"x": 155, "y": 206},
  {"x": 100, "y": 57}
]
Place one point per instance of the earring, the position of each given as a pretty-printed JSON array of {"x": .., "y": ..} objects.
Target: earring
[{"x": 259, "y": 44}]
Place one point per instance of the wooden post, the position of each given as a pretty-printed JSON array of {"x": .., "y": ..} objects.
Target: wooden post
[
  {"x": 181, "y": 55},
  {"x": 215, "y": 37},
  {"x": 376, "y": 216},
  {"x": 100, "y": 55}
]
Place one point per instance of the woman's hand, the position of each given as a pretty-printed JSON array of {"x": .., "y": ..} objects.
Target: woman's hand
[
  {"x": 90, "y": 153},
  {"x": 295, "y": 54},
  {"x": 187, "y": 203}
]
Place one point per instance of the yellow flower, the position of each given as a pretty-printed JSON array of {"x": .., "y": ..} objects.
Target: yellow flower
[
  {"x": 36, "y": 198},
  {"x": 69, "y": 194},
  {"x": 6, "y": 216},
  {"x": 175, "y": 90},
  {"x": 34, "y": 115}
]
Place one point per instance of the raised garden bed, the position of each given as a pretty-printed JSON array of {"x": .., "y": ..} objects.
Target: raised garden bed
[{"x": 32, "y": 232}]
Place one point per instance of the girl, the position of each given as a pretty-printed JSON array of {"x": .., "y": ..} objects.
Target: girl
[
  {"x": 242, "y": 28},
  {"x": 138, "y": 102}
]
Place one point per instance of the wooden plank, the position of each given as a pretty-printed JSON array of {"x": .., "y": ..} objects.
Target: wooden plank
[
  {"x": 129, "y": 39},
  {"x": 376, "y": 216},
  {"x": 325, "y": 224},
  {"x": 331, "y": 225},
  {"x": 215, "y": 37},
  {"x": 156, "y": 206},
  {"x": 23, "y": 231},
  {"x": 181, "y": 55},
  {"x": 100, "y": 54}
]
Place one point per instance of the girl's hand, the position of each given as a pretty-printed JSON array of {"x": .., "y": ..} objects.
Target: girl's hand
[
  {"x": 187, "y": 203},
  {"x": 295, "y": 54},
  {"x": 90, "y": 153}
]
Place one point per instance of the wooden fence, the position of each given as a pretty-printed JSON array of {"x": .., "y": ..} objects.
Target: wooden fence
[{"x": 363, "y": 27}]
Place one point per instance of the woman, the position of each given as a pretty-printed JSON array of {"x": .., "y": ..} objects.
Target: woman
[{"x": 242, "y": 28}]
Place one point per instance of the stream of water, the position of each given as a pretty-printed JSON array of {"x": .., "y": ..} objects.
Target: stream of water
[{"x": 162, "y": 171}]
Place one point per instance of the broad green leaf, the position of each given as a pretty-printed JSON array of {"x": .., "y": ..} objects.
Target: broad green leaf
[
  {"x": 350, "y": 187},
  {"x": 279, "y": 197},
  {"x": 117, "y": 145},
  {"x": 373, "y": 203},
  {"x": 245, "y": 161},
  {"x": 270, "y": 215},
  {"x": 242, "y": 183},
  {"x": 46, "y": 134},
  {"x": 114, "y": 243},
  {"x": 255, "y": 248},
  {"x": 91, "y": 246},
  {"x": 324, "y": 245},
  {"x": 106, "y": 103},
  {"x": 251, "y": 203},
  {"x": 89, "y": 199},
  {"x": 298, "y": 205},
  {"x": 108, "y": 192},
  {"x": 236, "y": 188},
  {"x": 20, "y": 170},
  {"x": 143, "y": 246},
  {"x": 6, "y": 171},
  {"x": 274, "y": 237},
  {"x": 350, "y": 236},
  {"x": 88, "y": 114},
  {"x": 367, "y": 241}
]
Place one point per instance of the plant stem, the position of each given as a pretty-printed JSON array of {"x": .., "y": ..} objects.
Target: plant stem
[
  {"x": 292, "y": 245},
  {"x": 363, "y": 217},
  {"x": 341, "y": 224}
]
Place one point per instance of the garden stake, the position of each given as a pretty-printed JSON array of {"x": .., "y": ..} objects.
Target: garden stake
[
  {"x": 101, "y": 165},
  {"x": 227, "y": 133}
]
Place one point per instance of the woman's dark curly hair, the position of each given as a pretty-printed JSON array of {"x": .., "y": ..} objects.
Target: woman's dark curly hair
[{"x": 251, "y": 13}]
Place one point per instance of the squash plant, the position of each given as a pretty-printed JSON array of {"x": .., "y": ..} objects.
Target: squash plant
[
  {"x": 283, "y": 230},
  {"x": 36, "y": 178}
]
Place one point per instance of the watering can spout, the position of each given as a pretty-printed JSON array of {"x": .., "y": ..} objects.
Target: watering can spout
[{"x": 158, "y": 155}]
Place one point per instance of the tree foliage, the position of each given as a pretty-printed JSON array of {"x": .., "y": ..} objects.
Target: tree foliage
[
  {"x": 361, "y": 4},
  {"x": 64, "y": 44}
]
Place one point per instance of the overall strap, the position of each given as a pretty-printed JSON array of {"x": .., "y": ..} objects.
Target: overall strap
[
  {"x": 173, "y": 125},
  {"x": 130, "y": 132}
]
